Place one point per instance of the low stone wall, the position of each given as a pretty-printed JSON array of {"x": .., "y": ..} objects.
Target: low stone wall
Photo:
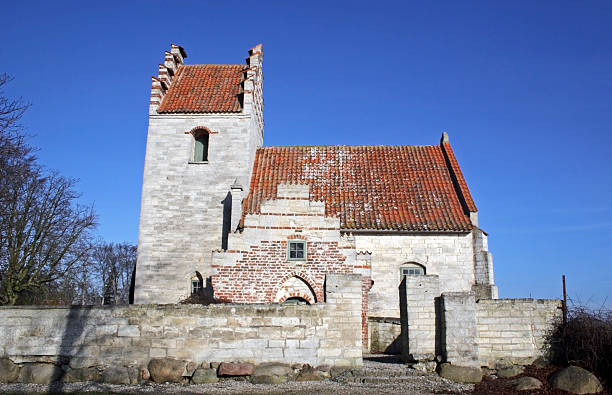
[
  {"x": 472, "y": 333},
  {"x": 385, "y": 335},
  {"x": 514, "y": 329},
  {"x": 320, "y": 334}
]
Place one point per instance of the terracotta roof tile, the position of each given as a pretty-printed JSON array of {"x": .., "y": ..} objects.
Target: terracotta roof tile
[
  {"x": 401, "y": 188},
  {"x": 204, "y": 88}
]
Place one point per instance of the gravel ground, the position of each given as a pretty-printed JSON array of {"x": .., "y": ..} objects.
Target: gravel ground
[{"x": 374, "y": 378}]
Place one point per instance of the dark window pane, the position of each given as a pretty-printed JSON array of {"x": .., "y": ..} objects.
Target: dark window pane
[{"x": 296, "y": 250}]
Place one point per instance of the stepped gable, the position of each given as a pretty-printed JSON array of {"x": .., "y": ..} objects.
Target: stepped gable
[
  {"x": 396, "y": 188},
  {"x": 205, "y": 88}
]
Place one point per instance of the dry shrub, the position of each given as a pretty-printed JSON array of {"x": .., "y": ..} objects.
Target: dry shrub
[
  {"x": 203, "y": 298},
  {"x": 585, "y": 341}
]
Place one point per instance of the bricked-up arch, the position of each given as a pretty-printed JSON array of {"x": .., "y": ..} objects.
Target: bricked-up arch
[
  {"x": 198, "y": 130},
  {"x": 295, "y": 287}
]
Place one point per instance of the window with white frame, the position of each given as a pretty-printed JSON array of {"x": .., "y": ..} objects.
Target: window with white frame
[
  {"x": 296, "y": 250},
  {"x": 196, "y": 283}
]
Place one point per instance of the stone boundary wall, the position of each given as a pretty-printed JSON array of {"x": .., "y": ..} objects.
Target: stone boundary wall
[
  {"x": 321, "y": 334},
  {"x": 459, "y": 328},
  {"x": 418, "y": 296},
  {"x": 470, "y": 332},
  {"x": 384, "y": 335},
  {"x": 514, "y": 329}
]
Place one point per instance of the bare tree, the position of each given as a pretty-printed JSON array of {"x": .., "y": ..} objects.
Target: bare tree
[
  {"x": 43, "y": 231},
  {"x": 114, "y": 265}
]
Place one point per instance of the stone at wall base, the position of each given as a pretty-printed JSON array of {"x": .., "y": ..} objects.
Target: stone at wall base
[
  {"x": 338, "y": 370},
  {"x": 166, "y": 370},
  {"x": 9, "y": 371},
  {"x": 308, "y": 373},
  {"x": 235, "y": 369},
  {"x": 460, "y": 374},
  {"x": 541, "y": 362},
  {"x": 271, "y": 373},
  {"x": 266, "y": 379},
  {"x": 425, "y": 366},
  {"x": 510, "y": 371},
  {"x": 526, "y": 384},
  {"x": 204, "y": 376},
  {"x": 40, "y": 373},
  {"x": 81, "y": 374},
  {"x": 576, "y": 380},
  {"x": 116, "y": 375}
]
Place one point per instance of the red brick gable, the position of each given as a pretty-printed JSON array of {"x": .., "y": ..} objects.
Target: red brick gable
[
  {"x": 205, "y": 88},
  {"x": 401, "y": 188}
]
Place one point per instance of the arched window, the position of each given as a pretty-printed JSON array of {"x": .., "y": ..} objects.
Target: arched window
[
  {"x": 412, "y": 269},
  {"x": 197, "y": 285},
  {"x": 200, "y": 146}
]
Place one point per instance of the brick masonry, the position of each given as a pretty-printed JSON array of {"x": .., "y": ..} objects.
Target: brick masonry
[
  {"x": 326, "y": 333},
  {"x": 257, "y": 269}
]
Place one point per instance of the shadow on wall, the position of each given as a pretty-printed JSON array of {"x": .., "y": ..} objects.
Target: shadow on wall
[
  {"x": 74, "y": 330},
  {"x": 227, "y": 220}
]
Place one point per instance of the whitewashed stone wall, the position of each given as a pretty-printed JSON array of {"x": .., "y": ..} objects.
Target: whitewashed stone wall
[
  {"x": 514, "y": 329},
  {"x": 477, "y": 333},
  {"x": 384, "y": 335},
  {"x": 184, "y": 204},
  {"x": 459, "y": 328},
  {"x": 449, "y": 256},
  {"x": 418, "y": 298},
  {"x": 326, "y": 333},
  {"x": 181, "y": 215}
]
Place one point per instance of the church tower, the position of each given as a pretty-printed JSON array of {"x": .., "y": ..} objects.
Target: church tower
[{"x": 205, "y": 125}]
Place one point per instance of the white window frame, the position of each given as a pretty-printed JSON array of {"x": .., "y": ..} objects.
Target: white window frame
[{"x": 303, "y": 243}]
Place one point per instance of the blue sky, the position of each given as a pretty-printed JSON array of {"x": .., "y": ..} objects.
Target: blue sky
[{"x": 523, "y": 88}]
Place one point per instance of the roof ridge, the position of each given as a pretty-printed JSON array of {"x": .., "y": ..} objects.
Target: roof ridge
[
  {"x": 216, "y": 64},
  {"x": 351, "y": 146}
]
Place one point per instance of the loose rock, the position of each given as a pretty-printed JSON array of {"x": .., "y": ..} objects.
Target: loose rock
[
  {"x": 204, "y": 376},
  {"x": 235, "y": 369},
  {"x": 526, "y": 383},
  {"x": 541, "y": 362},
  {"x": 576, "y": 380},
  {"x": 510, "y": 371},
  {"x": 308, "y": 373},
  {"x": 271, "y": 373},
  {"x": 190, "y": 368},
  {"x": 460, "y": 374},
  {"x": 425, "y": 366},
  {"x": 9, "y": 371},
  {"x": 166, "y": 370}
]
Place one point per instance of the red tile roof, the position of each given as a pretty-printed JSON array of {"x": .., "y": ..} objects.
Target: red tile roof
[
  {"x": 204, "y": 88},
  {"x": 401, "y": 188}
]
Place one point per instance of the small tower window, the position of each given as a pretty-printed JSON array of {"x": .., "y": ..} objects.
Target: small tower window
[
  {"x": 196, "y": 283},
  {"x": 200, "y": 148},
  {"x": 297, "y": 251},
  {"x": 412, "y": 269}
]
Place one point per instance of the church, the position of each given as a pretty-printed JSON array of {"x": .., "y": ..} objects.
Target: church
[{"x": 223, "y": 214}]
